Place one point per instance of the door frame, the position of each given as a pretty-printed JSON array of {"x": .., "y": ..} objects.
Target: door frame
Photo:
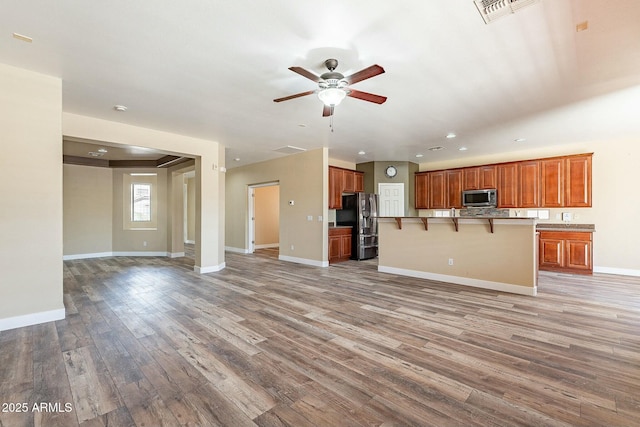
[{"x": 251, "y": 214}]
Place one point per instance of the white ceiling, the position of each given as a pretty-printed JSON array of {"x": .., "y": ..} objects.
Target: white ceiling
[{"x": 211, "y": 69}]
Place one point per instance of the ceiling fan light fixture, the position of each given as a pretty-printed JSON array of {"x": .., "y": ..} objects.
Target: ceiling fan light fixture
[{"x": 332, "y": 96}]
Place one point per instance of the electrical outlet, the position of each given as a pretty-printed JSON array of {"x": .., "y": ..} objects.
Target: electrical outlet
[
  {"x": 566, "y": 216},
  {"x": 450, "y": 261},
  {"x": 291, "y": 247},
  {"x": 144, "y": 243}
]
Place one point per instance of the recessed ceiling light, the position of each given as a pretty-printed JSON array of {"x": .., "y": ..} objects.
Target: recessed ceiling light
[
  {"x": 102, "y": 150},
  {"x": 302, "y": 125},
  {"x": 451, "y": 135},
  {"x": 419, "y": 155},
  {"x": 520, "y": 139},
  {"x": 237, "y": 159},
  {"x": 436, "y": 148},
  {"x": 462, "y": 149},
  {"x": 362, "y": 153},
  {"x": 120, "y": 108}
]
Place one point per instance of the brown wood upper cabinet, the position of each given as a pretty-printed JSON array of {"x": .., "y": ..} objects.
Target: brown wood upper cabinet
[
  {"x": 529, "y": 184},
  {"x": 488, "y": 176},
  {"x": 454, "y": 188},
  {"x": 437, "y": 190},
  {"x": 343, "y": 181},
  {"x": 507, "y": 185},
  {"x": 336, "y": 179},
  {"x": 422, "y": 190},
  {"x": 550, "y": 182},
  {"x": 471, "y": 178},
  {"x": 577, "y": 178}
]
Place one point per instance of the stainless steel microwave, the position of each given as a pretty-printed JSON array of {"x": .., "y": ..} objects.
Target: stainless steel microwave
[{"x": 479, "y": 198}]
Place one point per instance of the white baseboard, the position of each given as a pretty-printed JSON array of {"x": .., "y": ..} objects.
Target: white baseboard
[
  {"x": 141, "y": 253},
  {"x": 236, "y": 250},
  {"x": 108, "y": 254},
  {"x": 268, "y": 246},
  {"x": 210, "y": 269},
  {"x": 305, "y": 261},
  {"x": 86, "y": 256},
  {"x": 31, "y": 319},
  {"x": 619, "y": 271},
  {"x": 476, "y": 283},
  {"x": 176, "y": 254}
]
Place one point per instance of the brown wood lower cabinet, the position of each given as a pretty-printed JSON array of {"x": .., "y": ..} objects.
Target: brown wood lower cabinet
[
  {"x": 566, "y": 251},
  {"x": 339, "y": 244}
]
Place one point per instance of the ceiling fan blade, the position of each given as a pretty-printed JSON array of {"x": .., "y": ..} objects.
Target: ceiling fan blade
[
  {"x": 365, "y": 96},
  {"x": 297, "y": 95},
  {"x": 306, "y": 73},
  {"x": 367, "y": 73},
  {"x": 327, "y": 111}
]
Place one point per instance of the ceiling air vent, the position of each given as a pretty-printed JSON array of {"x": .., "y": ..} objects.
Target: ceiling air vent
[
  {"x": 494, "y": 9},
  {"x": 289, "y": 149}
]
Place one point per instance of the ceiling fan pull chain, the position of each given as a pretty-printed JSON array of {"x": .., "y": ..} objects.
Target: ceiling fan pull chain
[{"x": 331, "y": 119}]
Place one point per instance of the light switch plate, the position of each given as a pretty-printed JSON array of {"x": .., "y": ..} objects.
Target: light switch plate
[{"x": 566, "y": 216}]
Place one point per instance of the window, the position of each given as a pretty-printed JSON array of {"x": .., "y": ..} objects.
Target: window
[{"x": 140, "y": 202}]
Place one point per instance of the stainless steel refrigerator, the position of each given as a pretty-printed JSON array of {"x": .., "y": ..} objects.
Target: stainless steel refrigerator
[{"x": 360, "y": 211}]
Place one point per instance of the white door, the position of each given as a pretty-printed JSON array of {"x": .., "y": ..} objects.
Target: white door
[{"x": 390, "y": 199}]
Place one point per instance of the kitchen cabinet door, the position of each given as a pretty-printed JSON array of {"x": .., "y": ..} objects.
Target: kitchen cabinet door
[
  {"x": 551, "y": 252},
  {"x": 566, "y": 251},
  {"x": 437, "y": 190},
  {"x": 335, "y": 188},
  {"x": 507, "y": 185},
  {"x": 529, "y": 184},
  {"x": 359, "y": 182},
  {"x": 578, "y": 254},
  {"x": 471, "y": 178},
  {"x": 422, "y": 190},
  {"x": 488, "y": 176},
  {"x": 349, "y": 181},
  {"x": 454, "y": 188},
  {"x": 578, "y": 181},
  {"x": 552, "y": 183}
]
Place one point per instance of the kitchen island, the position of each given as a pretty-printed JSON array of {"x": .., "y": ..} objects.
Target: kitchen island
[{"x": 485, "y": 252}]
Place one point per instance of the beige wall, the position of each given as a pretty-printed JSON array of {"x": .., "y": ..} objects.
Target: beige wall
[
  {"x": 31, "y": 193},
  {"x": 139, "y": 240},
  {"x": 616, "y": 243},
  {"x": 302, "y": 178},
  {"x": 191, "y": 209},
  {"x": 210, "y": 180},
  {"x": 267, "y": 214},
  {"x": 480, "y": 258},
  {"x": 88, "y": 213}
]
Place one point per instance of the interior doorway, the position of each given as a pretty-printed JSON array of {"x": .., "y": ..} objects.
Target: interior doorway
[
  {"x": 263, "y": 216},
  {"x": 390, "y": 199}
]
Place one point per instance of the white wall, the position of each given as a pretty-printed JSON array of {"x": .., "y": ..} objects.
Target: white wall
[{"x": 31, "y": 194}]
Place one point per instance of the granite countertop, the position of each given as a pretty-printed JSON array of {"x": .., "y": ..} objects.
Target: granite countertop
[{"x": 566, "y": 227}]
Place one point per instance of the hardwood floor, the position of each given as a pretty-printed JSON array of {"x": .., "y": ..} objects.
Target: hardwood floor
[{"x": 148, "y": 342}]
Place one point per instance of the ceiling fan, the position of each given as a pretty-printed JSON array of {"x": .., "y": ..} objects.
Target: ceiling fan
[{"x": 333, "y": 87}]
